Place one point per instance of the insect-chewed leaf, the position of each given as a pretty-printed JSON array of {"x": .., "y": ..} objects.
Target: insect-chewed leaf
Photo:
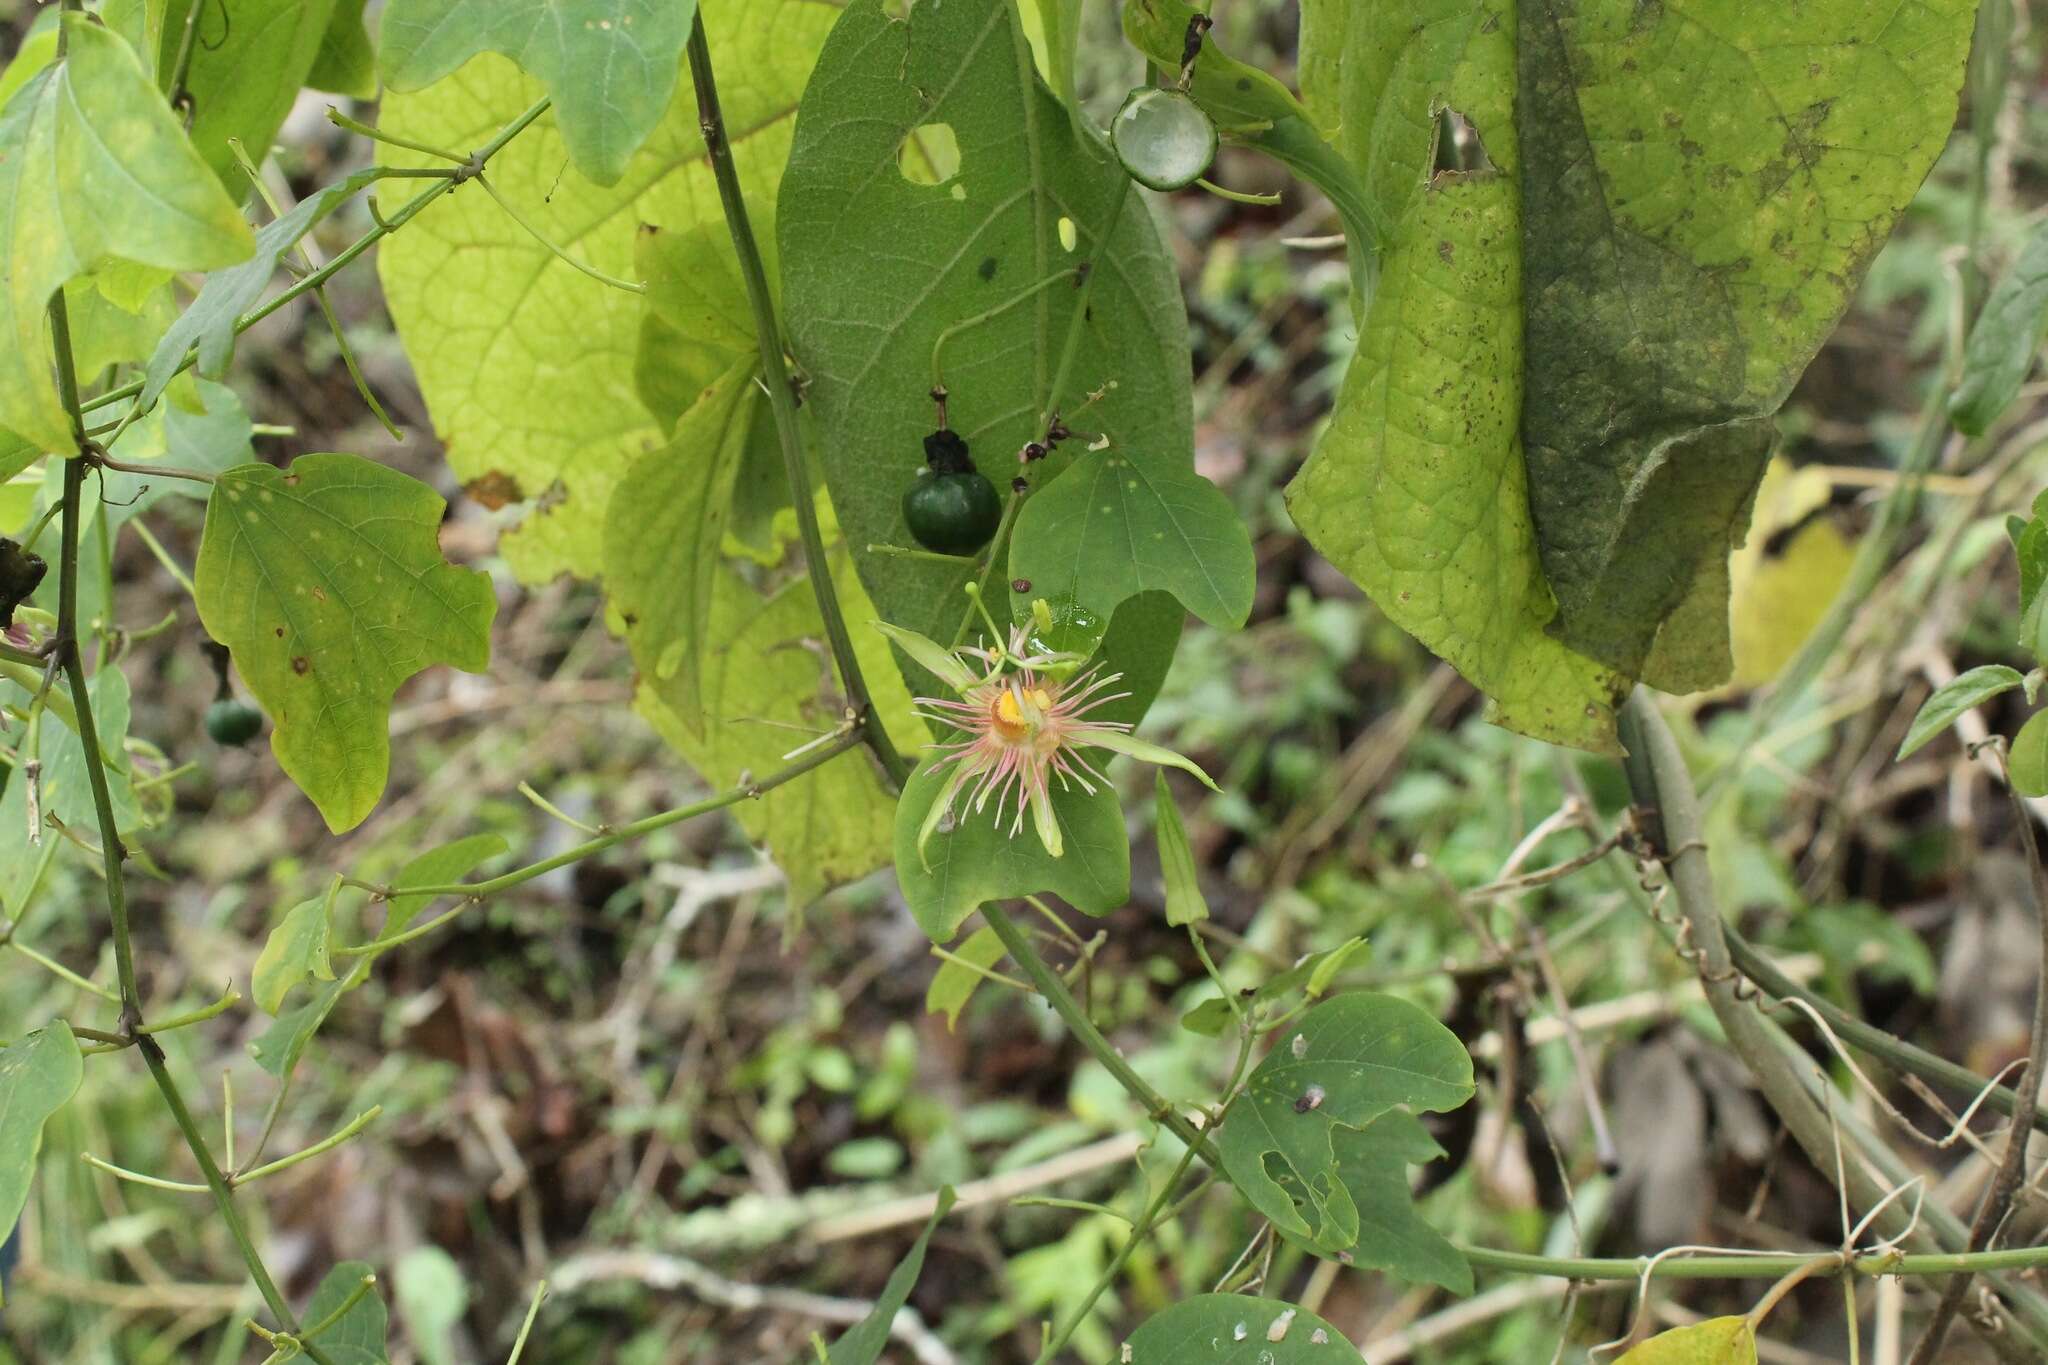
[
  {"x": 327, "y": 585},
  {"x": 559, "y": 425},
  {"x": 1112, "y": 526},
  {"x": 611, "y": 65},
  {"x": 39, "y": 1073},
  {"x": 359, "y": 1336},
  {"x": 1237, "y": 1329},
  {"x": 1346, "y": 1063},
  {"x": 978, "y": 861},
  {"x": 1717, "y": 1341},
  {"x": 1372, "y": 1165},
  {"x": 877, "y": 264},
  {"x": 93, "y": 169}
]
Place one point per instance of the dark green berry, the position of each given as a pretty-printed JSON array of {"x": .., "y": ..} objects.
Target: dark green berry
[
  {"x": 951, "y": 507},
  {"x": 233, "y": 723}
]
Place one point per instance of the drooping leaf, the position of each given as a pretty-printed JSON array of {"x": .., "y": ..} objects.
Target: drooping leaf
[
  {"x": 1717, "y": 1341},
  {"x": 359, "y": 1336},
  {"x": 93, "y": 168},
  {"x": 1111, "y": 526},
  {"x": 246, "y": 62},
  {"x": 863, "y": 1343},
  {"x": 979, "y": 861},
  {"x": 1949, "y": 702},
  {"x": 298, "y": 948},
  {"x": 665, "y": 533},
  {"x": 285, "y": 1041},
  {"x": 560, "y": 426},
  {"x": 209, "y": 320},
  {"x": 1372, "y": 1165},
  {"x": 877, "y": 265},
  {"x": 1417, "y": 489},
  {"x": 768, "y": 689},
  {"x": 1347, "y": 1062},
  {"x": 2029, "y": 757},
  {"x": 954, "y": 984},
  {"x": 1699, "y": 202},
  {"x": 610, "y": 65},
  {"x": 1185, "y": 903},
  {"x": 2004, "y": 340},
  {"x": 327, "y": 585},
  {"x": 1238, "y": 1329},
  {"x": 39, "y": 1073}
]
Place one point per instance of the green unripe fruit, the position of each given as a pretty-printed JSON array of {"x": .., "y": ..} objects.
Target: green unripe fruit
[
  {"x": 1163, "y": 138},
  {"x": 951, "y": 507},
  {"x": 233, "y": 723}
]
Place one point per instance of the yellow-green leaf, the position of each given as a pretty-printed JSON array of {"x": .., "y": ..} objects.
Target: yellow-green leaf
[
  {"x": 955, "y": 982},
  {"x": 326, "y": 583},
  {"x": 1717, "y": 1341}
]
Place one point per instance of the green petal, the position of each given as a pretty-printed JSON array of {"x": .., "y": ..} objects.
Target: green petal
[
  {"x": 1150, "y": 753},
  {"x": 1047, "y": 823},
  {"x": 941, "y": 663}
]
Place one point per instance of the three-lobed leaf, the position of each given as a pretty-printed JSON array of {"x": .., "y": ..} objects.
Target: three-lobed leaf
[
  {"x": 326, "y": 583},
  {"x": 94, "y": 169},
  {"x": 1344, "y": 1064},
  {"x": 1951, "y": 700},
  {"x": 39, "y": 1073},
  {"x": 1238, "y": 1329},
  {"x": 611, "y": 66}
]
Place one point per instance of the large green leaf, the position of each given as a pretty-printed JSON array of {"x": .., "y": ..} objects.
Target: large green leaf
[
  {"x": 93, "y": 169},
  {"x": 1417, "y": 489},
  {"x": 1702, "y": 190},
  {"x": 38, "y": 1076},
  {"x": 1347, "y": 1062},
  {"x": 876, "y": 266},
  {"x": 1237, "y": 1329},
  {"x": 247, "y": 60},
  {"x": 979, "y": 861},
  {"x": 765, "y": 691},
  {"x": 610, "y": 65},
  {"x": 561, "y": 423},
  {"x": 327, "y": 585}
]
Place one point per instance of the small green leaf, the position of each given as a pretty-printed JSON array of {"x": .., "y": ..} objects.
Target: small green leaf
[
  {"x": 93, "y": 168},
  {"x": 1960, "y": 694},
  {"x": 1717, "y": 1341},
  {"x": 934, "y": 659},
  {"x": 1110, "y": 527},
  {"x": 863, "y": 1343},
  {"x": 1185, "y": 903},
  {"x": 2029, "y": 761},
  {"x": 209, "y": 320},
  {"x": 1211, "y": 1019},
  {"x": 38, "y": 1076},
  {"x": 1372, "y": 1165},
  {"x": 359, "y": 1336},
  {"x": 2005, "y": 340},
  {"x": 244, "y": 68},
  {"x": 297, "y": 948},
  {"x": 432, "y": 1298},
  {"x": 977, "y": 861},
  {"x": 1236, "y": 1329},
  {"x": 611, "y": 65},
  {"x": 1347, "y": 1062},
  {"x": 953, "y": 985},
  {"x": 326, "y": 583},
  {"x": 2030, "y": 545},
  {"x": 1163, "y": 138}
]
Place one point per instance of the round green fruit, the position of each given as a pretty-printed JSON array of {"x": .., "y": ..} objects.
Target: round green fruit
[
  {"x": 952, "y": 513},
  {"x": 233, "y": 723},
  {"x": 1163, "y": 138}
]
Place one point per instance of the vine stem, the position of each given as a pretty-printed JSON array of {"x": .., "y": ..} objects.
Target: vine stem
[{"x": 782, "y": 403}]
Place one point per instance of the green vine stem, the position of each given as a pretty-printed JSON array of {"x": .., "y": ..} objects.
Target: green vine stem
[{"x": 782, "y": 403}]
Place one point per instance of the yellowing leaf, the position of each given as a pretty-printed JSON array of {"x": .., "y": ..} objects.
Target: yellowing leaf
[
  {"x": 326, "y": 583},
  {"x": 473, "y": 295},
  {"x": 93, "y": 168},
  {"x": 1717, "y": 1341},
  {"x": 1778, "y": 593}
]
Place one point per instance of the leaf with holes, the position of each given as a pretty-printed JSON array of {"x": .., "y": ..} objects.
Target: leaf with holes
[
  {"x": 39, "y": 1073},
  {"x": 1372, "y": 1165},
  {"x": 560, "y": 424},
  {"x": 94, "y": 169},
  {"x": 358, "y": 1336},
  {"x": 879, "y": 258},
  {"x": 1237, "y": 1329},
  {"x": 979, "y": 860},
  {"x": 1112, "y": 526},
  {"x": 1347, "y": 1062},
  {"x": 327, "y": 585},
  {"x": 610, "y": 65}
]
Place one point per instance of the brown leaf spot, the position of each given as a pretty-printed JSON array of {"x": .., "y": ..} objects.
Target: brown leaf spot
[
  {"x": 301, "y": 665},
  {"x": 495, "y": 490}
]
